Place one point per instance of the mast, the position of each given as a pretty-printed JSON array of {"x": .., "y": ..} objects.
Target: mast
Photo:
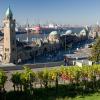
[{"x": 27, "y": 25}]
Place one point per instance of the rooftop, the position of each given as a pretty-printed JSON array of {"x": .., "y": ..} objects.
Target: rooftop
[{"x": 9, "y": 13}]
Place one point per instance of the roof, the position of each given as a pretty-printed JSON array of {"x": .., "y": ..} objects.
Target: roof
[
  {"x": 76, "y": 56},
  {"x": 83, "y": 32},
  {"x": 68, "y": 32},
  {"x": 54, "y": 33},
  {"x": 9, "y": 13}
]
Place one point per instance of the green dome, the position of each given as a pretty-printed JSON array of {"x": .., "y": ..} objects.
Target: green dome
[
  {"x": 54, "y": 33},
  {"x": 9, "y": 13}
]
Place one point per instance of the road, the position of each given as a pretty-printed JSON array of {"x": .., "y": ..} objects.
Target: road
[{"x": 11, "y": 67}]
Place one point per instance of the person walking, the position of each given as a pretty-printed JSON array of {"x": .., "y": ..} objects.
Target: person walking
[{"x": 65, "y": 61}]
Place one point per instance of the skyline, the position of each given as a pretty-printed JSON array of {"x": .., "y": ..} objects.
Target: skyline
[{"x": 73, "y": 12}]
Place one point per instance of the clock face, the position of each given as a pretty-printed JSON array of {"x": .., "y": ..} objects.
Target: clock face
[{"x": 7, "y": 25}]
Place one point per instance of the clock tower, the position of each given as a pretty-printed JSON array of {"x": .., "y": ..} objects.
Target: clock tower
[{"x": 9, "y": 50}]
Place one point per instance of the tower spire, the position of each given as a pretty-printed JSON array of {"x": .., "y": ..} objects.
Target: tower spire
[
  {"x": 9, "y": 14},
  {"x": 27, "y": 30},
  {"x": 97, "y": 22}
]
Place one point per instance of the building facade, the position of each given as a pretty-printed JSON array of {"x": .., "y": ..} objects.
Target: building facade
[{"x": 9, "y": 50}]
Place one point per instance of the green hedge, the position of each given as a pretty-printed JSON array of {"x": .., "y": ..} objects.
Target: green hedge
[{"x": 86, "y": 77}]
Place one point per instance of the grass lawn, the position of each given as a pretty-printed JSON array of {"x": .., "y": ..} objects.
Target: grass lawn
[
  {"x": 25, "y": 96},
  {"x": 64, "y": 92},
  {"x": 95, "y": 96}
]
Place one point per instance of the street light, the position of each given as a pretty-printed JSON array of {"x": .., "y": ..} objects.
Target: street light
[
  {"x": 69, "y": 51},
  {"x": 76, "y": 58},
  {"x": 34, "y": 57},
  {"x": 65, "y": 43}
]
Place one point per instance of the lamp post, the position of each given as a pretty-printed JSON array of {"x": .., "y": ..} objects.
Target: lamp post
[
  {"x": 34, "y": 57},
  {"x": 69, "y": 51},
  {"x": 76, "y": 58}
]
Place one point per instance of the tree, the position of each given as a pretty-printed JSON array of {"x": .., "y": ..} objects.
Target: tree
[
  {"x": 3, "y": 79},
  {"x": 27, "y": 77},
  {"x": 53, "y": 76},
  {"x": 16, "y": 80},
  {"x": 23, "y": 79},
  {"x": 43, "y": 77},
  {"x": 96, "y": 51}
]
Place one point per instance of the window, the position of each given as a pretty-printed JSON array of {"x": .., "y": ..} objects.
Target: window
[
  {"x": 5, "y": 56},
  {"x": 4, "y": 24},
  {"x": 13, "y": 49},
  {"x": 13, "y": 41},
  {"x": 6, "y": 49}
]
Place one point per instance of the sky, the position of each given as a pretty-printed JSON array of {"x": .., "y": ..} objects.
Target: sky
[{"x": 73, "y": 12}]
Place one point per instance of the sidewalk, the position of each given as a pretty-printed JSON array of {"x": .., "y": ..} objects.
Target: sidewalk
[{"x": 10, "y": 67}]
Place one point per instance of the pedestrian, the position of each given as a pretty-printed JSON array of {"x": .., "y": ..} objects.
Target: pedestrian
[
  {"x": 19, "y": 61},
  {"x": 65, "y": 61}
]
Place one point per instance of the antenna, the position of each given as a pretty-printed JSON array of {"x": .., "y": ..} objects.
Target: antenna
[
  {"x": 9, "y": 4},
  {"x": 27, "y": 25},
  {"x": 97, "y": 22}
]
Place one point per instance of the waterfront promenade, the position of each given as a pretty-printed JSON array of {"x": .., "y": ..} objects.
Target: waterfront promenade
[{"x": 11, "y": 67}]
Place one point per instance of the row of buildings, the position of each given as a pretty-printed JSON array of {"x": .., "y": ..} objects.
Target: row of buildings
[{"x": 13, "y": 50}]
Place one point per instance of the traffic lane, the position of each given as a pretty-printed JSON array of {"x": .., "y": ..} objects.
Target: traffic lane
[{"x": 32, "y": 66}]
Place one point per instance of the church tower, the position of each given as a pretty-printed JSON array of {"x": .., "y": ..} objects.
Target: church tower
[{"x": 9, "y": 50}]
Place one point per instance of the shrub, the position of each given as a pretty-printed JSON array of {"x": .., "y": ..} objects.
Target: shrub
[{"x": 3, "y": 79}]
